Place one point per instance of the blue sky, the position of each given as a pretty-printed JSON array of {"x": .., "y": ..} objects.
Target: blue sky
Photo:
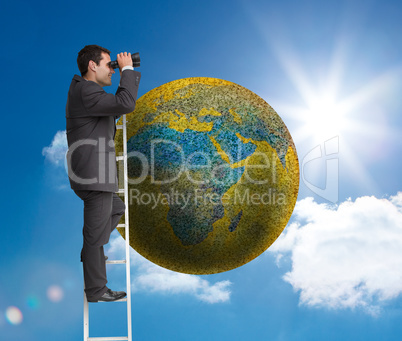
[{"x": 331, "y": 69}]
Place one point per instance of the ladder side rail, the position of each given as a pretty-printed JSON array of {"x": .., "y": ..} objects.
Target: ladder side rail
[
  {"x": 127, "y": 230},
  {"x": 86, "y": 317}
]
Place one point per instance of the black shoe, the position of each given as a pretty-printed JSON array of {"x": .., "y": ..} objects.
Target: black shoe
[{"x": 110, "y": 296}]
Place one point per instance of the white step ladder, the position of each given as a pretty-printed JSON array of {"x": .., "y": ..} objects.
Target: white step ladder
[{"x": 127, "y": 299}]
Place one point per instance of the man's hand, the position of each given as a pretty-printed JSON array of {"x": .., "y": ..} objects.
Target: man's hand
[{"x": 124, "y": 59}]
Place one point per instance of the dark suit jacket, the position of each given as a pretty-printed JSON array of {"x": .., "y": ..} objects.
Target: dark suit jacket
[{"x": 91, "y": 115}]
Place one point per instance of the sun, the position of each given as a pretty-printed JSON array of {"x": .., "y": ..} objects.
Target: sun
[
  {"x": 324, "y": 116},
  {"x": 321, "y": 108},
  {"x": 324, "y": 109}
]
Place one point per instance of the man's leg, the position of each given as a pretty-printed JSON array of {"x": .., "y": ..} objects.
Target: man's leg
[
  {"x": 117, "y": 211},
  {"x": 98, "y": 207}
]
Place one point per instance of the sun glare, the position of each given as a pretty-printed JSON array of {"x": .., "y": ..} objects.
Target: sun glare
[
  {"x": 324, "y": 117},
  {"x": 321, "y": 111}
]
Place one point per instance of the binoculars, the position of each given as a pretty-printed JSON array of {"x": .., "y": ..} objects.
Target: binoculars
[{"x": 135, "y": 57}]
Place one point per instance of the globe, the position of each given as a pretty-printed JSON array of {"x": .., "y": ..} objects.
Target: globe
[{"x": 213, "y": 175}]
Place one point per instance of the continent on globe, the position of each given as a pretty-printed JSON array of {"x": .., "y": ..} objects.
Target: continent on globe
[{"x": 213, "y": 175}]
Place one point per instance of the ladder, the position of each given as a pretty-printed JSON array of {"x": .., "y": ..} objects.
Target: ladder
[{"x": 127, "y": 299}]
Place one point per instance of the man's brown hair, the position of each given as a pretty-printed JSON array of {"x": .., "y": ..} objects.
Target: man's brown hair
[{"x": 90, "y": 52}]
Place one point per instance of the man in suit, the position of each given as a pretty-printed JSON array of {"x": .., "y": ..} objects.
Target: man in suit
[{"x": 91, "y": 158}]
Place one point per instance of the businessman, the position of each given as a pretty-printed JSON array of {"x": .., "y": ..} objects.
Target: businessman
[{"x": 91, "y": 115}]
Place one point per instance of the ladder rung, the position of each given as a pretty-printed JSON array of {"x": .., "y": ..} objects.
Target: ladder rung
[
  {"x": 121, "y": 300},
  {"x": 116, "y": 338},
  {"x": 121, "y": 225},
  {"x": 120, "y": 158},
  {"x": 116, "y": 261},
  {"x": 119, "y": 126}
]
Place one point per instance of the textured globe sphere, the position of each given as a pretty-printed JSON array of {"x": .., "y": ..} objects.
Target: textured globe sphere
[{"x": 213, "y": 173}]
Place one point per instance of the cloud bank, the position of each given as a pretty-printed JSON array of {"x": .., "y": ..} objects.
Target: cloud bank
[
  {"x": 344, "y": 256},
  {"x": 149, "y": 277},
  {"x": 56, "y": 152}
]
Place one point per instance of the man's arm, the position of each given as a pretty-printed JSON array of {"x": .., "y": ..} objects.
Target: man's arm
[{"x": 100, "y": 103}]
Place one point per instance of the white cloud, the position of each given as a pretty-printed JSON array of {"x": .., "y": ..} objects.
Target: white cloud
[
  {"x": 56, "y": 152},
  {"x": 153, "y": 278},
  {"x": 397, "y": 201},
  {"x": 345, "y": 256}
]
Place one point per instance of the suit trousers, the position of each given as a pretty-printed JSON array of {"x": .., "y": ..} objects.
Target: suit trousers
[{"x": 102, "y": 212}]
